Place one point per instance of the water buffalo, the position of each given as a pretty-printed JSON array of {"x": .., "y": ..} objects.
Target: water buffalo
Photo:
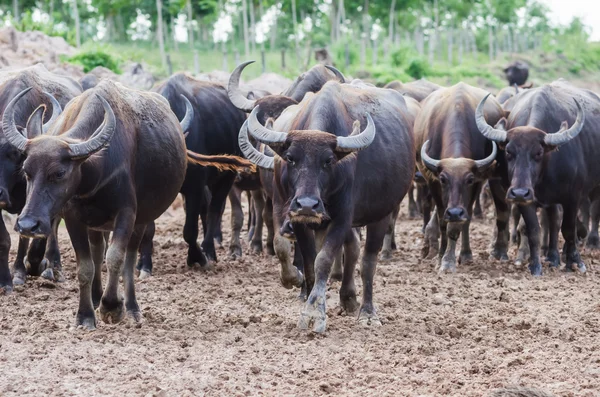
[
  {"x": 327, "y": 149},
  {"x": 517, "y": 73},
  {"x": 456, "y": 161},
  {"x": 54, "y": 91},
  {"x": 113, "y": 161},
  {"x": 550, "y": 163},
  {"x": 419, "y": 89}
]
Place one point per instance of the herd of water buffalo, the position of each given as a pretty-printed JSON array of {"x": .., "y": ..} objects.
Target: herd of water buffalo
[{"x": 319, "y": 161}]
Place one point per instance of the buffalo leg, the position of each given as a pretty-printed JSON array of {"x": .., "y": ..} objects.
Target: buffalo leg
[
  {"x": 5, "y": 278},
  {"x": 35, "y": 262},
  {"x": 375, "y": 235},
  {"x": 251, "y": 216},
  {"x": 213, "y": 217},
  {"x": 20, "y": 272},
  {"x": 413, "y": 211},
  {"x": 477, "y": 211},
  {"x": 131, "y": 305},
  {"x": 500, "y": 247},
  {"x": 237, "y": 222},
  {"x": 389, "y": 242},
  {"x": 111, "y": 305},
  {"x": 553, "y": 224},
  {"x": 569, "y": 232},
  {"x": 431, "y": 245},
  {"x": 268, "y": 217},
  {"x": 97, "y": 250},
  {"x": 146, "y": 248},
  {"x": 193, "y": 206},
  {"x": 532, "y": 229},
  {"x": 515, "y": 215},
  {"x": 258, "y": 207},
  {"x": 78, "y": 233},
  {"x": 53, "y": 268},
  {"x": 316, "y": 278},
  {"x": 452, "y": 232},
  {"x": 523, "y": 251},
  {"x": 593, "y": 240},
  {"x": 348, "y": 301}
]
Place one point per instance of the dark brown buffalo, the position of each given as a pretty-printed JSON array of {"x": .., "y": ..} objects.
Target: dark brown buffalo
[
  {"x": 419, "y": 89},
  {"x": 54, "y": 91},
  {"x": 113, "y": 161},
  {"x": 344, "y": 159},
  {"x": 456, "y": 161},
  {"x": 550, "y": 163},
  {"x": 517, "y": 73}
]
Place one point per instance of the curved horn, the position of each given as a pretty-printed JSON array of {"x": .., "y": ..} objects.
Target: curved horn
[
  {"x": 358, "y": 142},
  {"x": 101, "y": 136},
  {"x": 233, "y": 89},
  {"x": 13, "y": 136},
  {"x": 250, "y": 152},
  {"x": 486, "y": 162},
  {"x": 487, "y": 130},
  {"x": 263, "y": 134},
  {"x": 186, "y": 122},
  {"x": 430, "y": 163},
  {"x": 56, "y": 111},
  {"x": 337, "y": 73},
  {"x": 565, "y": 135}
]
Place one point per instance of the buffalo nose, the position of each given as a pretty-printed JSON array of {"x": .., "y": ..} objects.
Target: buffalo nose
[
  {"x": 27, "y": 225},
  {"x": 456, "y": 214},
  {"x": 306, "y": 204},
  {"x": 520, "y": 194},
  {"x": 4, "y": 198}
]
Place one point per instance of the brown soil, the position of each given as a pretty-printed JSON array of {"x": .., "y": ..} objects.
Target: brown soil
[{"x": 232, "y": 331}]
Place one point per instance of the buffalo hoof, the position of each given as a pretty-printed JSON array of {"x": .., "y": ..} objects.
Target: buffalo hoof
[
  {"x": 553, "y": 259},
  {"x": 270, "y": 250},
  {"x": 6, "y": 287},
  {"x": 48, "y": 274},
  {"x": 447, "y": 265},
  {"x": 514, "y": 238},
  {"x": 144, "y": 274},
  {"x": 499, "y": 254},
  {"x": 196, "y": 257},
  {"x": 111, "y": 312},
  {"x": 433, "y": 251},
  {"x": 574, "y": 263},
  {"x": 348, "y": 303},
  {"x": 314, "y": 314},
  {"x": 368, "y": 317},
  {"x": 19, "y": 278},
  {"x": 593, "y": 242},
  {"x": 87, "y": 322},
  {"x": 413, "y": 214},
  {"x": 135, "y": 316},
  {"x": 256, "y": 247},
  {"x": 386, "y": 255},
  {"x": 465, "y": 258},
  {"x": 235, "y": 252},
  {"x": 535, "y": 269},
  {"x": 35, "y": 269},
  {"x": 291, "y": 278}
]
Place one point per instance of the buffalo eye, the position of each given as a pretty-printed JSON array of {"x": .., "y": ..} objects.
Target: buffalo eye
[
  {"x": 443, "y": 180},
  {"x": 539, "y": 154},
  {"x": 509, "y": 156},
  {"x": 328, "y": 162},
  {"x": 470, "y": 179},
  {"x": 57, "y": 175},
  {"x": 290, "y": 160}
]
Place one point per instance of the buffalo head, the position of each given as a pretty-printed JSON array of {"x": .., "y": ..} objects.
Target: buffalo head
[
  {"x": 525, "y": 150},
  {"x": 457, "y": 177},
  {"x": 310, "y": 163},
  {"x": 52, "y": 164}
]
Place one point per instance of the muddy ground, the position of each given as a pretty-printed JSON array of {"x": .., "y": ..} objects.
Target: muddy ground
[{"x": 232, "y": 331}]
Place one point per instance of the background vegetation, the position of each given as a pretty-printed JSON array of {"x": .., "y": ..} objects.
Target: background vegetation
[{"x": 442, "y": 40}]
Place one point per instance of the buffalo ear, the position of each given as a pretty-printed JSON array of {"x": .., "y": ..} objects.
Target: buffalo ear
[
  {"x": 251, "y": 95},
  {"x": 501, "y": 124},
  {"x": 35, "y": 124},
  {"x": 269, "y": 123}
]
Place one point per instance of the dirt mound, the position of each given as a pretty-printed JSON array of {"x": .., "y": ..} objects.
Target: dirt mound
[{"x": 21, "y": 49}]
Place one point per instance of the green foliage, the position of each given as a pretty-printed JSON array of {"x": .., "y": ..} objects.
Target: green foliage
[
  {"x": 89, "y": 60},
  {"x": 339, "y": 54},
  {"x": 417, "y": 68}
]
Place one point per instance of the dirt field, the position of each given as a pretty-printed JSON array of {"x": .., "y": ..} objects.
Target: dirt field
[{"x": 232, "y": 331}]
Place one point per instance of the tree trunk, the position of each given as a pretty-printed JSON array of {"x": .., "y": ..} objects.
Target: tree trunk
[
  {"x": 460, "y": 46},
  {"x": 173, "y": 35},
  {"x": 450, "y": 45},
  {"x": 295, "y": 24},
  {"x": 159, "y": 33},
  {"x": 252, "y": 26},
  {"x": 51, "y": 11},
  {"x": 392, "y": 20},
  {"x": 473, "y": 44},
  {"x": 490, "y": 42},
  {"x": 375, "y": 52},
  {"x": 436, "y": 36},
  {"x": 333, "y": 19},
  {"x": 245, "y": 26},
  {"x": 273, "y": 34},
  {"x": 190, "y": 19},
  {"x": 77, "y": 24},
  {"x": 16, "y": 14}
]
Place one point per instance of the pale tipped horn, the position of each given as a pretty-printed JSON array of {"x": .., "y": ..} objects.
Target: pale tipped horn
[
  {"x": 430, "y": 163},
  {"x": 565, "y": 135},
  {"x": 236, "y": 97},
  {"x": 56, "y": 111},
  {"x": 263, "y": 134},
  {"x": 9, "y": 127},
  {"x": 101, "y": 136},
  {"x": 486, "y": 162},
  {"x": 337, "y": 73},
  {"x": 357, "y": 141},
  {"x": 251, "y": 153},
  {"x": 487, "y": 130},
  {"x": 186, "y": 122}
]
